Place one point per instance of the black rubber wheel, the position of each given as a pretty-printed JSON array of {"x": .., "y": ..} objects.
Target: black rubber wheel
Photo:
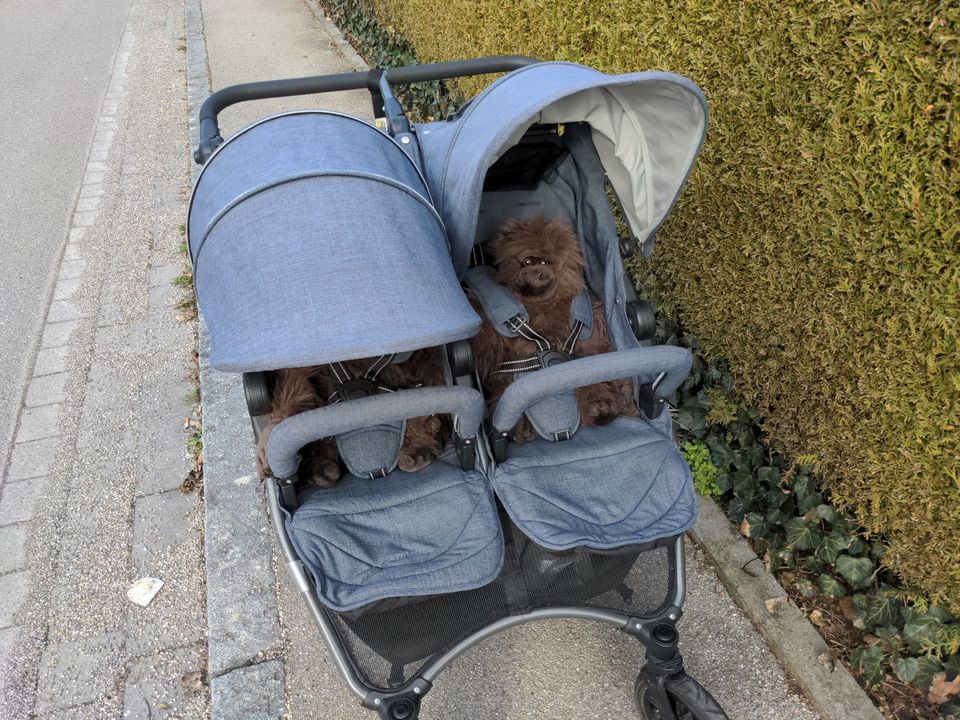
[{"x": 689, "y": 699}]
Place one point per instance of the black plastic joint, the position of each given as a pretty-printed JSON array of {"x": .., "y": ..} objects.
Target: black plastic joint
[
  {"x": 401, "y": 705},
  {"x": 499, "y": 440},
  {"x": 466, "y": 451}
]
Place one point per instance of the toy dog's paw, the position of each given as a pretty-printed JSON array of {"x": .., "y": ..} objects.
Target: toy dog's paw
[
  {"x": 416, "y": 458},
  {"x": 325, "y": 474},
  {"x": 601, "y": 412}
]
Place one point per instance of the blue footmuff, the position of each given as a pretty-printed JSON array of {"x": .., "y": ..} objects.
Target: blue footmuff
[
  {"x": 606, "y": 487},
  {"x": 408, "y": 534}
]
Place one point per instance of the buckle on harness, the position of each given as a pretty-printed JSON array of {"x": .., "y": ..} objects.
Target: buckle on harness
[
  {"x": 356, "y": 389},
  {"x": 549, "y": 358},
  {"x": 515, "y": 324}
]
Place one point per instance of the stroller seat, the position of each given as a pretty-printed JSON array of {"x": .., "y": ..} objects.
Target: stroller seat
[
  {"x": 408, "y": 534},
  {"x": 605, "y": 488}
]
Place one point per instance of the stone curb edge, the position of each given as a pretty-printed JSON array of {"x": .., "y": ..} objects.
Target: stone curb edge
[
  {"x": 245, "y": 675},
  {"x": 828, "y": 685}
]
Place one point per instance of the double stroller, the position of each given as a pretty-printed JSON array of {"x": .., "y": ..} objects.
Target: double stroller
[{"x": 319, "y": 238}]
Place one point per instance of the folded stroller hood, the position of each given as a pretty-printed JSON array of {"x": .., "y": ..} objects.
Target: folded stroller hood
[
  {"x": 314, "y": 239},
  {"x": 647, "y": 129}
]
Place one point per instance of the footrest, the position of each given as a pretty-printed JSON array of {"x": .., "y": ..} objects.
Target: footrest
[
  {"x": 605, "y": 488},
  {"x": 406, "y": 535}
]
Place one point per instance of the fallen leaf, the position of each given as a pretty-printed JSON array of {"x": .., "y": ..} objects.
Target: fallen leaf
[
  {"x": 816, "y": 617},
  {"x": 773, "y": 603},
  {"x": 850, "y": 612},
  {"x": 745, "y": 528},
  {"x": 941, "y": 691}
]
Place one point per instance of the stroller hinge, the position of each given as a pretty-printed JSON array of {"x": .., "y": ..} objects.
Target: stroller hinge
[{"x": 404, "y": 704}]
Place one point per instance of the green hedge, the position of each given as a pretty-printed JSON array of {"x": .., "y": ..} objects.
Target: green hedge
[{"x": 817, "y": 247}]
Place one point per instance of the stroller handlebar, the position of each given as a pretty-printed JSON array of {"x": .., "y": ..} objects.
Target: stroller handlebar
[
  {"x": 669, "y": 365},
  {"x": 210, "y": 130},
  {"x": 291, "y": 434}
]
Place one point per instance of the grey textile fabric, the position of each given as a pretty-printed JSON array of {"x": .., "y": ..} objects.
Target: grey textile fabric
[
  {"x": 294, "y": 432},
  {"x": 372, "y": 451},
  {"x": 529, "y": 388},
  {"x": 409, "y": 534},
  {"x": 647, "y": 129},
  {"x": 314, "y": 240},
  {"x": 555, "y": 417},
  {"x": 607, "y": 487},
  {"x": 500, "y": 305}
]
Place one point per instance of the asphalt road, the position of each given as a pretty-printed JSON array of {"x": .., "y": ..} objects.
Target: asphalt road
[{"x": 55, "y": 61}]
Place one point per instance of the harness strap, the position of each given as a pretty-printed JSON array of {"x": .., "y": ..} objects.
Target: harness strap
[
  {"x": 536, "y": 362},
  {"x": 343, "y": 375}
]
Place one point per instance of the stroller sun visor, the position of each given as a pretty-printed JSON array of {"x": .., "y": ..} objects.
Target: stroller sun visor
[
  {"x": 647, "y": 129},
  {"x": 314, "y": 239}
]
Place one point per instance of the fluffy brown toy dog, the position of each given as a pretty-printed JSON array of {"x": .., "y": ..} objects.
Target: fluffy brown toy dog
[
  {"x": 301, "y": 389},
  {"x": 540, "y": 261}
]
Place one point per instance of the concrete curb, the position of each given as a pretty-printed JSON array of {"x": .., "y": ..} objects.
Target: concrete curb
[
  {"x": 796, "y": 643},
  {"x": 246, "y": 680},
  {"x": 349, "y": 52}
]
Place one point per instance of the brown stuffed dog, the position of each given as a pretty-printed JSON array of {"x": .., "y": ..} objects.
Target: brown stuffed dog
[
  {"x": 301, "y": 389},
  {"x": 541, "y": 263}
]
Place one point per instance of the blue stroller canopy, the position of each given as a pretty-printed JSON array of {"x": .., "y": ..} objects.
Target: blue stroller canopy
[
  {"x": 646, "y": 127},
  {"x": 314, "y": 240}
]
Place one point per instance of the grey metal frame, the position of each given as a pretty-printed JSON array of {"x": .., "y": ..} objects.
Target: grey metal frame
[{"x": 420, "y": 684}]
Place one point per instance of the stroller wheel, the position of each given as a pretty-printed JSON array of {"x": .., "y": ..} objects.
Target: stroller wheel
[{"x": 688, "y": 699}]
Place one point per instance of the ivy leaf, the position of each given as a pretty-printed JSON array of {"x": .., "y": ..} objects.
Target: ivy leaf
[
  {"x": 927, "y": 667},
  {"x": 755, "y": 526},
  {"x": 720, "y": 453},
  {"x": 906, "y": 668},
  {"x": 802, "y": 535},
  {"x": 826, "y": 513},
  {"x": 880, "y": 610},
  {"x": 769, "y": 476},
  {"x": 830, "y": 548},
  {"x": 857, "y": 546},
  {"x": 856, "y": 571},
  {"x": 920, "y": 630},
  {"x": 829, "y": 585},
  {"x": 869, "y": 661},
  {"x": 940, "y": 613}
]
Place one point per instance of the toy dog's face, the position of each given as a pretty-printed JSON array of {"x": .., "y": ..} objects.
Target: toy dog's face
[{"x": 539, "y": 260}]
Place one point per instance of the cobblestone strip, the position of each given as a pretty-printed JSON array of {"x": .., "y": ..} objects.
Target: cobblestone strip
[
  {"x": 247, "y": 678},
  {"x": 90, "y": 500}
]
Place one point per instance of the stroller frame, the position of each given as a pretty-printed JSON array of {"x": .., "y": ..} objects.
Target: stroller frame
[{"x": 663, "y": 690}]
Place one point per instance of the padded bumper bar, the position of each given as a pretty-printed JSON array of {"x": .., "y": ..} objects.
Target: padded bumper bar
[
  {"x": 290, "y": 435},
  {"x": 672, "y": 362}
]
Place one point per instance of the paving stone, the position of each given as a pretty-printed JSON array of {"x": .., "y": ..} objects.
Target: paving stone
[
  {"x": 76, "y": 673},
  {"x": 46, "y": 390},
  {"x": 160, "y": 521},
  {"x": 12, "y": 540},
  {"x": 252, "y": 693},
  {"x": 92, "y": 190},
  {"x": 164, "y": 274},
  {"x": 73, "y": 251},
  {"x": 13, "y": 591},
  {"x": 88, "y": 204},
  {"x": 18, "y": 500},
  {"x": 58, "y": 333},
  {"x": 50, "y": 360},
  {"x": 72, "y": 269},
  {"x": 77, "y": 712},
  {"x": 8, "y": 638},
  {"x": 65, "y": 289},
  {"x": 164, "y": 460},
  {"x": 32, "y": 459},
  {"x": 164, "y": 686},
  {"x": 61, "y": 310},
  {"x": 38, "y": 422}
]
